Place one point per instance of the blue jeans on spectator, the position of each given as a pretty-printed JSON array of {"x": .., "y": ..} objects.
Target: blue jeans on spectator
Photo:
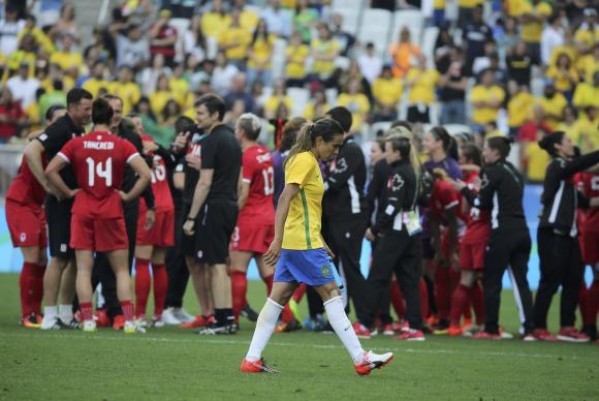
[
  {"x": 453, "y": 112},
  {"x": 265, "y": 76}
]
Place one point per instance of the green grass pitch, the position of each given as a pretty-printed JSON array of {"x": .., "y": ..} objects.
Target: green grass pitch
[{"x": 173, "y": 364}]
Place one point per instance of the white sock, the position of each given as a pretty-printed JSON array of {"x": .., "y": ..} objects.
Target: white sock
[
  {"x": 66, "y": 313},
  {"x": 343, "y": 328},
  {"x": 50, "y": 312},
  {"x": 267, "y": 322}
]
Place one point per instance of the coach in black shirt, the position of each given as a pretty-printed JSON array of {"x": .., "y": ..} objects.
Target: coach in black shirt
[
  {"x": 58, "y": 212},
  {"x": 214, "y": 209},
  {"x": 345, "y": 209}
]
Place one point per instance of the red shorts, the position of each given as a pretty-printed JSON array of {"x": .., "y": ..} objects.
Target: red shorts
[
  {"x": 27, "y": 225},
  {"x": 472, "y": 256},
  {"x": 96, "y": 234},
  {"x": 162, "y": 233},
  {"x": 589, "y": 246},
  {"x": 248, "y": 237}
]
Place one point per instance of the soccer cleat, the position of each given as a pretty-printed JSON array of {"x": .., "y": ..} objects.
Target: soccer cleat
[
  {"x": 53, "y": 324},
  {"x": 472, "y": 330},
  {"x": 361, "y": 331},
  {"x": 590, "y": 331},
  {"x": 371, "y": 361},
  {"x": 287, "y": 327},
  {"x": 74, "y": 324},
  {"x": 89, "y": 326},
  {"x": 30, "y": 322},
  {"x": 543, "y": 335},
  {"x": 249, "y": 313},
  {"x": 102, "y": 319},
  {"x": 572, "y": 335},
  {"x": 485, "y": 335},
  {"x": 401, "y": 325},
  {"x": 441, "y": 328},
  {"x": 198, "y": 321},
  {"x": 214, "y": 330},
  {"x": 258, "y": 366},
  {"x": 118, "y": 323},
  {"x": 388, "y": 330},
  {"x": 157, "y": 321},
  {"x": 182, "y": 315},
  {"x": 455, "y": 330},
  {"x": 411, "y": 335},
  {"x": 169, "y": 318},
  {"x": 133, "y": 327}
]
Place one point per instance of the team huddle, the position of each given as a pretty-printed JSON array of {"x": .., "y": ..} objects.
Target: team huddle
[{"x": 443, "y": 232}]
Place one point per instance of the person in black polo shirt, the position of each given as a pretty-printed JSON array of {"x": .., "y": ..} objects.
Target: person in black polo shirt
[
  {"x": 214, "y": 209},
  {"x": 58, "y": 212}
]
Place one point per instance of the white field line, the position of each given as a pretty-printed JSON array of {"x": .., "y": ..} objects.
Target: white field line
[{"x": 220, "y": 341}]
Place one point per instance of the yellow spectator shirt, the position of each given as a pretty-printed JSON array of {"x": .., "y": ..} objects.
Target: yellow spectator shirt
[
  {"x": 213, "y": 24},
  {"x": 238, "y": 39},
  {"x": 302, "y": 227},
  {"x": 261, "y": 52},
  {"x": 358, "y": 105},
  {"x": 179, "y": 87},
  {"x": 569, "y": 50},
  {"x": 326, "y": 48},
  {"x": 469, "y": 3},
  {"x": 158, "y": 100},
  {"x": 484, "y": 115},
  {"x": 588, "y": 66},
  {"x": 94, "y": 86},
  {"x": 67, "y": 61},
  {"x": 561, "y": 79},
  {"x": 423, "y": 88},
  {"x": 518, "y": 109},
  {"x": 129, "y": 92},
  {"x": 296, "y": 61},
  {"x": 537, "y": 161},
  {"x": 531, "y": 31},
  {"x": 586, "y": 135},
  {"x": 587, "y": 37},
  {"x": 439, "y": 4},
  {"x": 387, "y": 91},
  {"x": 272, "y": 104},
  {"x": 554, "y": 108},
  {"x": 248, "y": 20},
  {"x": 586, "y": 95}
]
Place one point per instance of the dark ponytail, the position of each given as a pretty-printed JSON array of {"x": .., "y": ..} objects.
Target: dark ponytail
[
  {"x": 441, "y": 134},
  {"x": 501, "y": 144},
  {"x": 549, "y": 141},
  {"x": 326, "y": 128},
  {"x": 472, "y": 153}
]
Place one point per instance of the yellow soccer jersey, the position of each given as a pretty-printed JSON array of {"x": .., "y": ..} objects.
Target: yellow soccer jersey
[
  {"x": 296, "y": 61},
  {"x": 518, "y": 109},
  {"x": 302, "y": 227}
]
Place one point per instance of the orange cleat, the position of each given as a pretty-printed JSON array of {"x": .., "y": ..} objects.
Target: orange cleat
[
  {"x": 119, "y": 322},
  {"x": 455, "y": 331},
  {"x": 258, "y": 366},
  {"x": 30, "y": 322},
  {"x": 199, "y": 321},
  {"x": 371, "y": 361}
]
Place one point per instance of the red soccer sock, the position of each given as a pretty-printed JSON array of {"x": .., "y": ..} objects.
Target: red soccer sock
[
  {"x": 397, "y": 299},
  {"x": 143, "y": 283},
  {"x": 424, "y": 299},
  {"x": 127, "y": 307},
  {"x": 459, "y": 301},
  {"x": 26, "y": 291},
  {"x": 592, "y": 304},
  {"x": 287, "y": 315},
  {"x": 442, "y": 292},
  {"x": 86, "y": 310},
  {"x": 268, "y": 281},
  {"x": 299, "y": 293},
  {"x": 160, "y": 287},
  {"x": 37, "y": 285},
  {"x": 239, "y": 286},
  {"x": 478, "y": 303}
]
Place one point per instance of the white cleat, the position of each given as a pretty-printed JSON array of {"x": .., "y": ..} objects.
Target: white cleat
[
  {"x": 169, "y": 318},
  {"x": 89, "y": 326},
  {"x": 371, "y": 361},
  {"x": 133, "y": 327},
  {"x": 182, "y": 315}
]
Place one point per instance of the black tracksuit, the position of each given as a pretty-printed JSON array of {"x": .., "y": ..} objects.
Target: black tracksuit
[
  {"x": 344, "y": 209},
  {"x": 502, "y": 192},
  {"x": 396, "y": 251},
  {"x": 559, "y": 251}
]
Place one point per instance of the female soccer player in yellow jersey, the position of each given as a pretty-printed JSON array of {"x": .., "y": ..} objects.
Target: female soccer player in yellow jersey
[{"x": 300, "y": 254}]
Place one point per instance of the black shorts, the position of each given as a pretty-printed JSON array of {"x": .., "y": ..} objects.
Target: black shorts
[
  {"x": 186, "y": 242},
  {"x": 215, "y": 224},
  {"x": 58, "y": 217}
]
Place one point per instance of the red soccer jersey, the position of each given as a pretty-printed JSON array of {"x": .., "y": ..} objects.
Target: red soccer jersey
[
  {"x": 478, "y": 222},
  {"x": 443, "y": 198},
  {"x": 25, "y": 188},
  {"x": 589, "y": 184},
  {"x": 98, "y": 160},
  {"x": 160, "y": 188},
  {"x": 259, "y": 173}
]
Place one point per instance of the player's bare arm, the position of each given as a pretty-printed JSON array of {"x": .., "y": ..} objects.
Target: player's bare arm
[
  {"x": 52, "y": 174},
  {"x": 243, "y": 191},
  {"x": 274, "y": 251},
  {"x": 33, "y": 155},
  {"x": 143, "y": 179},
  {"x": 199, "y": 198}
]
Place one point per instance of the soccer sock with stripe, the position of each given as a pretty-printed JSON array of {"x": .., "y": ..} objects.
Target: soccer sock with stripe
[
  {"x": 25, "y": 288},
  {"x": 86, "y": 310},
  {"x": 127, "y": 307},
  {"x": 143, "y": 283},
  {"x": 267, "y": 321},
  {"x": 239, "y": 285},
  {"x": 160, "y": 287},
  {"x": 343, "y": 328}
]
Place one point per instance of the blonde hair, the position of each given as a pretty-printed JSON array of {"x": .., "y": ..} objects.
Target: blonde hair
[{"x": 403, "y": 132}]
